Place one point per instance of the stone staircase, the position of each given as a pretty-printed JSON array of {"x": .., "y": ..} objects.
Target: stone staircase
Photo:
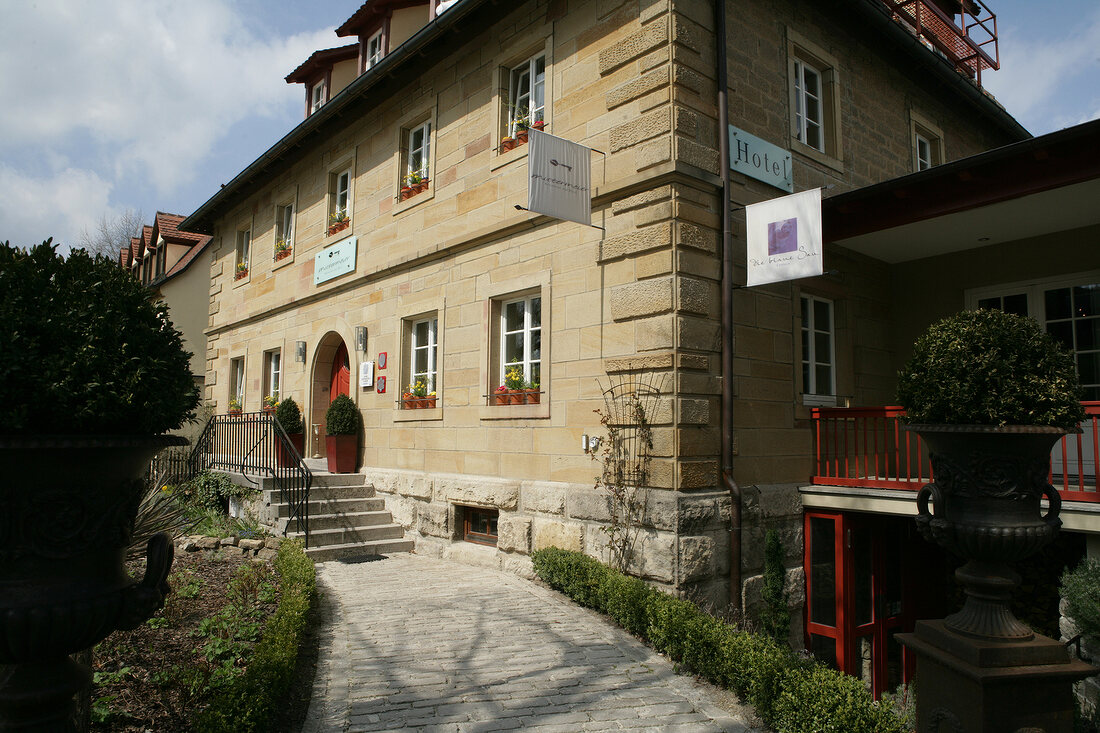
[{"x": 346, "y": 519}]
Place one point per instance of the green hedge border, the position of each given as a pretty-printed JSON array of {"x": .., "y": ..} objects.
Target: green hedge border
[
  {"x": 255, "y": 698},
  {"x": 790, "y": 693}
]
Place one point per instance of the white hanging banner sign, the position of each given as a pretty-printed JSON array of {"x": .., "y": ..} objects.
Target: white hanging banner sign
[
  {"x": 784, "y": 238},
  {"x": 559, "y": 178}
]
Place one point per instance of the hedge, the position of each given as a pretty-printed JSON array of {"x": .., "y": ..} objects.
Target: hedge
[
  {"x": 790, "y": 693},
  {"x": 255, "y": 698}
]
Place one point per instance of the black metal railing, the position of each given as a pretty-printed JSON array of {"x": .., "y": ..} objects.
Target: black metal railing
[{"x": 251, "y": 444}]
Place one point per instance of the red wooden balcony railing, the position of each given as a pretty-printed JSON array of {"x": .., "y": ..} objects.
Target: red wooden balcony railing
[
  {"x": 971, "y": 46},
  {"x": 867, "y": 447}
]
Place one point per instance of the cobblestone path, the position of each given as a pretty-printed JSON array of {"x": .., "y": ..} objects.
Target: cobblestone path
[{"x": 424, "y": 644}]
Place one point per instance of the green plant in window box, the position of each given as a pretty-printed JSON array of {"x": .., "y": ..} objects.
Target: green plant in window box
[
  {"x": 235, "y": 407},
  {"x": 271, "y": 402},
  {"x": 242, "y": 271},
  {"x": 533, "y": 392},
  {"x": 282, "y": 249},
  {"x": 338, "y": 217}
]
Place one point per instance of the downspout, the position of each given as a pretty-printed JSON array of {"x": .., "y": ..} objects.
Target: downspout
[{"x": 726, "y": 417}]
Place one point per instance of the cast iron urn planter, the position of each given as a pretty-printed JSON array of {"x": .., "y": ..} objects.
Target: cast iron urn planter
[
  {"x": 986, "y": 491},
  {"x": 69, "y": 507}
]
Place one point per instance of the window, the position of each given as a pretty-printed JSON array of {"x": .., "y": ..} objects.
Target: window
[
  {"x": 818, "y": 364},
  {"x": 374, "y": 51},
  {"x": 1069, "y": 310},
  {"x": 814, "y": 100},
  {"x": 479, "y": 525},
  {"x": 244, "y": 243},
  {"x": 927, "y": 141},
  {"x": 317, "y": 96},
  {"x": 527, "y": 94},
  {"x": 418, "y": 149},
  {"x": 521, "y": 338},
  {"x": 339, "y": 212},
  {"x": 272, "y": 369},
  {"x": 284, "y": 231},
  {"x": 236, "y": 382},
  {"x": 422, "y": 358}
]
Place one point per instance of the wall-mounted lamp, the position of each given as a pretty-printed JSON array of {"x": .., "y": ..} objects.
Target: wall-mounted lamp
[
  {"x": 361, "y": 338},
  {"x": 300, "y": 352}
]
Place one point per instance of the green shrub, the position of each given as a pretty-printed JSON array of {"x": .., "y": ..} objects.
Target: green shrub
[
  {"x": 986, "y": 367},
  {"x": 251, "y": 701},
  {"x": 212, "y": 490},
  {"x": 767, "y": 674},
  {"x": 342, "y": 417},
  {"x": 289, "y": 416},
  {"x": 1081, "y": 590},
  {"x": 775, "y": 619},
  {"x": 85, "y": 350}
]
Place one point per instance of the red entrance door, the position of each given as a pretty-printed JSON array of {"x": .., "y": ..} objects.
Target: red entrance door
[
  {"x": 856, "y": 597},
  {"x": 340, "y": 379}
]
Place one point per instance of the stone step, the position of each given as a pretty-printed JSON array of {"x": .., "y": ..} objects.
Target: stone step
[
  {"x": 351, "y": 520},
  {"x": 325, "y": 553},
  {"x": 351, "y": 535},
  {"x": 331, "y": 493},
  {"x": 336, "y": 506}
]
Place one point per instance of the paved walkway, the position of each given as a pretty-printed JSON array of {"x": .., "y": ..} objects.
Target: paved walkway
[{"x": 417, "y": 643}]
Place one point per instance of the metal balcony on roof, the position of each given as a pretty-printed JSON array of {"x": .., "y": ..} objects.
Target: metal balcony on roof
[{"x": 970, "y": 42}]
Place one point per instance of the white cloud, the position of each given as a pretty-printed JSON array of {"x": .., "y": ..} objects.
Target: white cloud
[
  {"x": 1045, "y": 80},
  {"x": 140, "y": 89},
  {"x": 58, "y": 205}
]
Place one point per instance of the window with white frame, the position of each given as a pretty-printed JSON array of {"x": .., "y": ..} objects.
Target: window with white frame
[
  {"x": 1067, "y": 308},
  {"x": 339, "y": 199},
  {"x": 272, "y": 373},
  {"x": 521, "y": 338},
  {"x": 317, "y": 96},
  {"x": 808, "y": 105},
  {"x": 527, "y": 94},
  {"x": 423, "y": 350},
  {"x": 417, "y": 156},
  {"x": 236, "y": 383},
  {"x": 374, "y": 51},
  {"x": 244, "y": 246},
  {"x": 284, "y": 230},
  {"x": 814, "y": 97},
  {"x": 818, "y": 352}
]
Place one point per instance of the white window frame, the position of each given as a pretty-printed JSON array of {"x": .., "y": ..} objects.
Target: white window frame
[
  {"x": 812, "y": 393},
  {"x": 236, "y": 379},
  {"x": 273, "y": 372},
  {"x": 243, "y": 249},
  {"x": 423, "y": 150},
  {"x": 373, "y": 51},
  {"x": 923, "y": 152},
  {"x": 317, "y": 96},
  {"x": 527, "y": 329},
  {"x": 431, "y": 375},
  {"x": 804, "y": 122},
  {"x": 284, "y": 224},
  {"x": 520, "y": 94},
  {"x": 340, "y": 194}
]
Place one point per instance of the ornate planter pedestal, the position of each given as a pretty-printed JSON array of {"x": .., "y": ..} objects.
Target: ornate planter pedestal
[{"x": 981, "y": 669}]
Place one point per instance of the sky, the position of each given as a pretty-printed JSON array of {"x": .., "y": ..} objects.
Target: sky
[{"x": 151, "y": 105}]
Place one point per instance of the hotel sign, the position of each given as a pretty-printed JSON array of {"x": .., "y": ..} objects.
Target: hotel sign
[
  {"x": 760, "y": 159},
  {"x": 334, "y": 261},
  {"x": 783, "y": 238},
  {"x": 559, "y": 177}
]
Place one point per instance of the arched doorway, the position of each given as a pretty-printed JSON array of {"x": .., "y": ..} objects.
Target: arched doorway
[{"x": 331, "y": 376}]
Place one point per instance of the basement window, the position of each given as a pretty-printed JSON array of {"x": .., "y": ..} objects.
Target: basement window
[{"x": 479, "y": 525}]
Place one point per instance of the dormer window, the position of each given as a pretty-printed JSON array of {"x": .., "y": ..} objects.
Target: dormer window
[
  {"x": 317, "y": 96},
  {"x": 374, "y": 51}
]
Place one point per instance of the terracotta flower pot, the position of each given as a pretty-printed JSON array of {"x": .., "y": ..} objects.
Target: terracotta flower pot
[
  {"x": 343, "y": 453},
  {"x": 241, "y": 275},
  {"x": 406, "y": 192},
  {"x": 339, "y": 226},
  {"x": 515, "y": 396},
  {"x": 507, "y": 144},
  {"x": 533, "y": 396},
  {"x": 282, "y": 255},
  {"x": 422, "y": 186},
  {"x": 539, "y": 125},
  {"x": 499, "y": 398},
  {"x": 521, "y": 137}
]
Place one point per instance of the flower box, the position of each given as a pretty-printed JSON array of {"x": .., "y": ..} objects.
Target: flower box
[
  {"x": 339, "y": 226},
  {"x": 521, "y": 137},
  {"x": 282, "y": 254},
  {"x": 241, "y": 275},
  {"x": 507, "y": 144},
  {"x": 411, "y": 402},
  {"x": 532, "y": 396}
]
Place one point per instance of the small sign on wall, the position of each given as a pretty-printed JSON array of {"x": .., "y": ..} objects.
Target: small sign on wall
[
  {"x": 760, "y": 159},
  {"x": 382, "y": 360},
  {"x": 366, "y": 374},
  {"x": 334, "y": 261},
  {"x": 380, "y": 385}
]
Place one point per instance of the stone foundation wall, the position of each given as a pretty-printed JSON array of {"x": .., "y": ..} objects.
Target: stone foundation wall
[{"x": 775, "y": 507}]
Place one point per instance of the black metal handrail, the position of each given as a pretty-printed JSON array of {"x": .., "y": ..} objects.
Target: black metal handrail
[{"x": 251, "y": 444}]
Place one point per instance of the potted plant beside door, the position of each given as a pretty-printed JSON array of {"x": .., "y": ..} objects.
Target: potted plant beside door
[
  {"x": 290, "y": 417},
  {"x": 94, "y": 374},
  {"x": 342, "y": 422}
]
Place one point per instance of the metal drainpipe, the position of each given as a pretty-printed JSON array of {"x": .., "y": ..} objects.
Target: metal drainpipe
[{"x": 726, "y": 417}]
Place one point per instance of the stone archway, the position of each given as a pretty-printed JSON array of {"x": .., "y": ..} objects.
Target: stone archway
[{"x": 331, "y": 370}]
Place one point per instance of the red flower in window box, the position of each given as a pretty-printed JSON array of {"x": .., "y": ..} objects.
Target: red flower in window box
[
  {"x": 539, "y": 125},
  {"x": 500, "y": 396}
]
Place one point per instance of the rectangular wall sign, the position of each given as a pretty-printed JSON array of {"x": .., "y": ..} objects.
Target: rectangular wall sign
[
  {"x": 784, "y": 238},
  {"x": 366, "y": 374},
  {"x": 559, "y": 176},
  {"x": 334, "y": 261},
  {"x": 760, "y": 159}
]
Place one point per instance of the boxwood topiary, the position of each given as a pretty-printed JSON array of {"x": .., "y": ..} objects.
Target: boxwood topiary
[
  {"x": 342, "y": 417},
  {"x": 84, "y": 350},
  {"x": 986, "y": 367},
  {"x": 289, "y": 416}
]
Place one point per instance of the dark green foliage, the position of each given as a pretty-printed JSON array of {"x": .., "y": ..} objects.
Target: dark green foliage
[
  {"x": 251, "y": 701},
  {"x": 289, "y": 416},
  {"x": 83, "y": 349},
  {"x": 1081, "y": 589},
  {"x": 768, "y": 675},
  {"x": 986, "y": 367},
  {"x": 775, "y": 619},
  {"x": 342, "y": 417},
  {"x": 212, "y": 490}
]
